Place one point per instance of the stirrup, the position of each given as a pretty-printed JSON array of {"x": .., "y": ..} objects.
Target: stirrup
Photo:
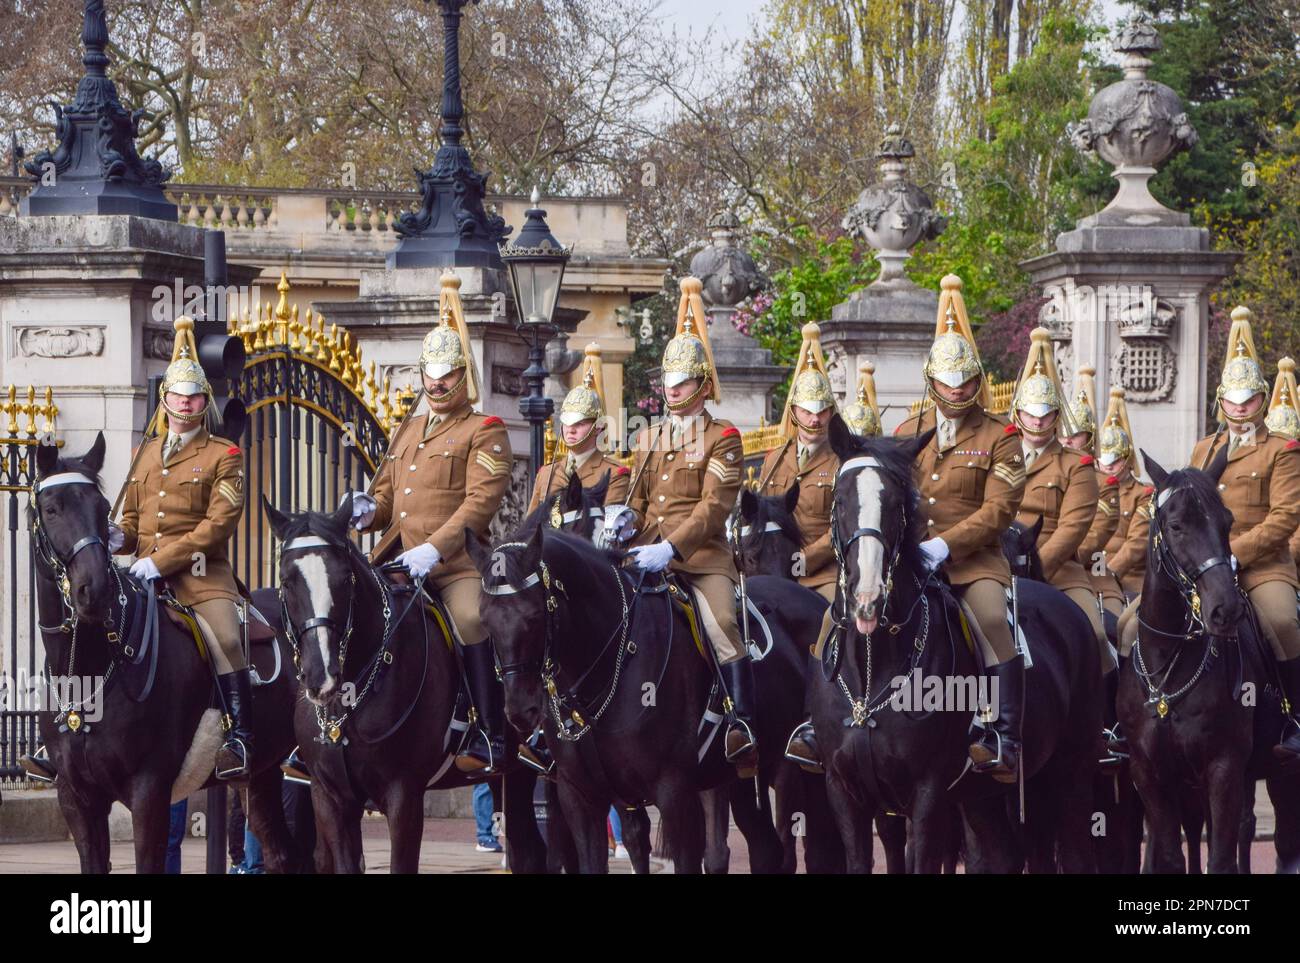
[
  {"x": 295, "y": 770},
  {"x": 37, "y": 766},
  {"x": 993, "y": 762},
  {"x": 1116, "y": 747},
  {"x": 234, "y": 772},
  {"x": 806, "y": 763},
  {"x": 532, "y": 755},
  {"x": 467, "y": 761}
]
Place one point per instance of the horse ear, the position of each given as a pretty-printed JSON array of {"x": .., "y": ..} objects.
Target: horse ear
[
  {"x": 1158, "y": 475},
  {"x": 94, "y": 459},
  {"x": 843, "y": 441},
  {"x": 479, "y": 550},
  {"x": 915, "y": 444},
  {"x": 573, "y": 492},
  {"x": 344, "y": 513},
  {"x": 279, "y": 520},
  {"x": 532, "y": 556},
  {"x": 748, "y": 504},
  {"x": 47, "y": 458},
  {"x": 1035, "y": 530},
  {"x": 792, "y": 497},
  {"x": 1216, "y": 467}
]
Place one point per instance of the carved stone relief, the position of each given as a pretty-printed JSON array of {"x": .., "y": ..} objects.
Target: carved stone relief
[{"x": 81, "y": 341}]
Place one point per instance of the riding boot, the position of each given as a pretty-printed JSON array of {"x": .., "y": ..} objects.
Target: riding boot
[
  {"x": 235, "y": 758},
  {"x": 1116, "y": 743},
  {"x": 741, "y": 748},
  {"x": 1289, "y": 671},
  {"x": 485, "y": 745},
  {"x": 997, "y": 751},
  {"x": 535, "y": 754},
  {"x": 802, "y": 748},
  {"x": 38, "y": 765}
]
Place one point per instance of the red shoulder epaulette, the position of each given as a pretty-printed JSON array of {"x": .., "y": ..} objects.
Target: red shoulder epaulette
[
  {"x": 492, "y": 420},
  {"x": 623, "y": 470},
  {"x": 1010, "y": 430},
  {"x": 1149, "y": 490},
  {"x": 1085, "y": 459},
  {"x": 1112, "y": 479},
  {"x": 1292, "y": 445},
  {"x": 232, "y": 450},
  {"x": 730, "y": 430}
]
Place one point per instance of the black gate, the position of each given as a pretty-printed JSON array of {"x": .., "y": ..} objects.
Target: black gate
[{"x": 318, "y": 424}]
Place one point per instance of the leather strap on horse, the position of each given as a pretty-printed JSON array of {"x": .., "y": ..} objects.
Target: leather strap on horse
[{"x": 682, "y": 597}]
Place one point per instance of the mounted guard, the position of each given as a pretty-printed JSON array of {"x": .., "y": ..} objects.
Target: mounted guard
[
  {"x": 447, "y": 469},
  {"x": 684, "y": 487},
  {"x": 971, "y": 478},
  {"x": 1283, "y": 418},
  {"x": 585, "y": 431},
  {"x": 1060, "y": 482}
]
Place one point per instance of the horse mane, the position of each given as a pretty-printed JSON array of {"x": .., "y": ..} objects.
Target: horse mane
[
  {"x": 896, "y": 466},
  {"x": 79, "y": 466},
  {"x": 1201, "y": 485},
  {"x": 557, "y": 546}
]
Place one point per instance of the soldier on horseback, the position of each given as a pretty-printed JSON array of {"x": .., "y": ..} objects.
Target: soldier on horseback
[
  {"x": 1283, "y": 418},
  {"x": 1060, "y": 483},
  {"x": 1105, "y": 520},
  {"x": 683, "y": 489},
  {"x": 445, "y": 472},
  {"x": 863, "y": 416},
  {"x": 181, "y": 503},
  {"x": 806, "y": 459},
  {"x": 971, "y": 478},
  {"x": 1124, "y": 557},
  {"x": 581, "y": 417}
]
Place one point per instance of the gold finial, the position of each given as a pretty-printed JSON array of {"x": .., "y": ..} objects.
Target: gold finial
[
  {"x": 12, "y": 410},
  {"x": 30, "y": 410},
  {"x": 549, "y": 442}
]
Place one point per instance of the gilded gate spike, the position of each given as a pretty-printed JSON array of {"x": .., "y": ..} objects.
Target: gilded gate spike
[
  {"x": 31, "y": 410},
  {"x": 294, "y": 328}
]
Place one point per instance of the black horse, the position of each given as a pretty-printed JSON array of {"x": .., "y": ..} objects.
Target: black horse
[
  {"x": 379, "y": 679},
  {"x": 1196, "y": 699},
  {"x": 147, "y": 733},
  {"x": 882, "y": 748},
  {"x": 612, "y": 663}
]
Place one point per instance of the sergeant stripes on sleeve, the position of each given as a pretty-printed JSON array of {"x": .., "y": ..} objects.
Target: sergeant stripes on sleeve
[
  {"x": 725, "y": 474},
  {"x": 494, "y": 466},
  {"x": 1013, "y": 475}
]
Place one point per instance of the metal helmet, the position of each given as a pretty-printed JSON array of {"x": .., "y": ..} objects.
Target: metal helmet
[
  {"x": 184, "y": 376},
  {"x": 586, "y": 401},
  {"x": 1283, "y": 418},
  {"x": 811, "y": 387},
  {"x": 446, "y": 347},
  {"x": 1242, "y": 377},
  {"x": 688, "y": 354},
  {"x": 1083, "y": 410},
  {"x": 1116, "y": 438},
  {"x": 1039, "y": 392},
  {"x": 863, "y": 417},
  {"x": 953, "y": 358}
]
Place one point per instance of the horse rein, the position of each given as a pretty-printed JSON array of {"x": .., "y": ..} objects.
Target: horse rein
[{"x": 1186, "y": 582}]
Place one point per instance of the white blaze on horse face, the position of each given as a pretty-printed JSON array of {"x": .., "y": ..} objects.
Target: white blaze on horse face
[
  {"x": 870, "y": 551},
  {"x": 312, "y": 569}
]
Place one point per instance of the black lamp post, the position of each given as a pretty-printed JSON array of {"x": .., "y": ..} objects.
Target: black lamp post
[{"x": 536, "y": 261}]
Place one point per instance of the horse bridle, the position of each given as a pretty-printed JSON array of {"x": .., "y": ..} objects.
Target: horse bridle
[
  {"x": 1165, "y": 559},
  {"x": 57, "y": 563},
  {"x": 841, "y": 547}
]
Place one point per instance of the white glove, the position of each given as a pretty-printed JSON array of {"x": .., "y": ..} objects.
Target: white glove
[
  {"x": 653, "y": 558},
  {"x": 116, "y": 538},
  {"x": 1233, "y": 559},
  {"x": 145, "y": 570},
  {"x": 619, "y": 521},
  {"x": 935, "y": 551},
  {"x": 420, "y": 560},
  {"x": 363, "y": 510}
]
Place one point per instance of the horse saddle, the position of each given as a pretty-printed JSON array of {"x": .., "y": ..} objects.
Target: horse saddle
[{"x": 682, "y": 597}]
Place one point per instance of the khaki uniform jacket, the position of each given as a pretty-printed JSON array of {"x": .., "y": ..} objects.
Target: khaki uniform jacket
[
  {"x": 684, "y": 495},
  {"x": 1126, "y": 552},
  {"x": 552, "y": 478},
  {"x": 1061, "y": 487},
  {"x": 1261, "y": 487},
  {"x": 813, "y": 513},
  {"x": 971, "y": 492},
  {"x": 182, "y": 514},
  {"x": 1104, "y": 523},
  {"x": 434, "y": 485}
]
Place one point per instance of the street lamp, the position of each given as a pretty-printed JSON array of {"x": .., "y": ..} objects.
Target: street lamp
[{"x": 536, "y": 261}]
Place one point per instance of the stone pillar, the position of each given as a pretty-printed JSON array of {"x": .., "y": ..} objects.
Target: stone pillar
[
  {"x": 890, "y": 322},
  {"x": 745, "y": 369},
  {"x": 1129, "y": 285}
]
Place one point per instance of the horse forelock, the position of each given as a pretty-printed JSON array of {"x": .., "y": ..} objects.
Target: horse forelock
[
  {"x": 772, "y": 508},
  {"x": 1202, "y": 487}
]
